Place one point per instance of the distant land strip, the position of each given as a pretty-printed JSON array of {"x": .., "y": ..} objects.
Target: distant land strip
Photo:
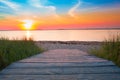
[{"x": 65, "y": 29}]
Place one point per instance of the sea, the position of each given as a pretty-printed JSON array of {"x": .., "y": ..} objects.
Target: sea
[{"x": 61, "y": 35}]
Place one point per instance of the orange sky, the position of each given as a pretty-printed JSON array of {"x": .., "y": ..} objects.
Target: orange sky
[
  {"x": 83, "y": 20},
  {"x": 101, "y": 17}
]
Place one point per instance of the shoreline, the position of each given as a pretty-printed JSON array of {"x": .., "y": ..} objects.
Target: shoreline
[
  {"x": 72, "y": 42},
  {"x": 85, "y": 46}
]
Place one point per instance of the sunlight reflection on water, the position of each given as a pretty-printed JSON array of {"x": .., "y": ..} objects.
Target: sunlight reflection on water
[{"x": 28, "y": 35}]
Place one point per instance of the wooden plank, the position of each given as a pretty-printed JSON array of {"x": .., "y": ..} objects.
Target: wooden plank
[
  {"x": 62, "y": 60},
  {"x": 53, "y": 64},
  {"x": 62, "y": 70},
  {"x": 63, "y": 55},
  {"x": 62, "y": 77}
]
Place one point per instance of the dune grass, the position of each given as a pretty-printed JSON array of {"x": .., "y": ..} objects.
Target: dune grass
[
  {"x": 14, "y": 50},
  {"x": 110, "y": 49}
]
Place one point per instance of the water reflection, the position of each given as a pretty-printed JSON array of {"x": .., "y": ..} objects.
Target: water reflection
[
  {"x": 60, "y": 35},
  {"x": 28, "y": 35}
]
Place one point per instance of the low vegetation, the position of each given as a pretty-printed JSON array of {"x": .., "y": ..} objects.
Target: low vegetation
[
  {"x": 110, "y": 49},
  {"x": 14, "y": 50}
]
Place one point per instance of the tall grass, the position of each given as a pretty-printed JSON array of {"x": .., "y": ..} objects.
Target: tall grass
[
  {"x": 14, "y": 50},
  {"x": 110, "y": 49}
]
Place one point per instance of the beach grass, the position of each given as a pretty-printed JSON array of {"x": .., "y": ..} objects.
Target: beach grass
[
  {"x": 14, "y": 50},
  {"x": 110, "y": 49}
]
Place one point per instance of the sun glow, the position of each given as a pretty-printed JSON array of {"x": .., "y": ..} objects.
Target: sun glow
[{"x": 28, "y": 24}]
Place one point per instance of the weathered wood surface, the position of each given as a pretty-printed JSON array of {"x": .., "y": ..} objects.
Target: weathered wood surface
[{"x": 61, "y": 64}]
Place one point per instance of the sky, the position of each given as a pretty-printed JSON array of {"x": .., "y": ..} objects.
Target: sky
[{"x": 59, "y": 14}]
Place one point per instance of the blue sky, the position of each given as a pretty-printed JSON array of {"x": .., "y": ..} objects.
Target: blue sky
[{"x": 62, "y": 6}]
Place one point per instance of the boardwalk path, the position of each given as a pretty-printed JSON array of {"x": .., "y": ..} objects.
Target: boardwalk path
[{"x": 62, "y": 64}]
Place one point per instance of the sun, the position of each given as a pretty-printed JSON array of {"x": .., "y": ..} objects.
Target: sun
[{"x": 28, "y": 24}]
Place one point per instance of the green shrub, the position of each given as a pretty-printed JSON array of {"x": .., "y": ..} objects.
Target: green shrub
[
  {"x": 14, "y": 50},
  {"x": 110, "y": 49}
]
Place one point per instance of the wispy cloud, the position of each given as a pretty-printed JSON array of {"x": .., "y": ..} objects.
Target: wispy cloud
[
  {"x": 71, "y": 12},
  {"x": 35, "y": 3},
  {"x": 50, "y": 9},
  {"x": 9, "y": 8},
  {"x": 10, "y": 4}
]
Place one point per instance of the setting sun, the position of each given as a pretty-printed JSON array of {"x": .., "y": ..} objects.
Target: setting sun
[{"x": 28, "y": 24}]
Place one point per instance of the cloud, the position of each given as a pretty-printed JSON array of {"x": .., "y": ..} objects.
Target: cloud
[
  {"x": 10, "y": 4},
  {"x": 38, "y": 8},
  {"x": 71, "y": 12},
  {"x": 35, "y": 3},
  {"x": 8, "y": 8},
  {"x": 49, "y": 9}
]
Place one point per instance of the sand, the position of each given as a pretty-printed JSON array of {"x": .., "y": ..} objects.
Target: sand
[{"x": 80, "y": 45}]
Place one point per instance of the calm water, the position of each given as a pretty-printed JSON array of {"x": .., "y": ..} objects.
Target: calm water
[{"x": 61, "y": 35}]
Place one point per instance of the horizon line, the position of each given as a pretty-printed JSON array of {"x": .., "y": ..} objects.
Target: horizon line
[{"x": 64, "y": 29}]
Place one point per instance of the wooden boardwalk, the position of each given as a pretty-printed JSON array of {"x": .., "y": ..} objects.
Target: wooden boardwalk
[{"x": 62, "y": 64}]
